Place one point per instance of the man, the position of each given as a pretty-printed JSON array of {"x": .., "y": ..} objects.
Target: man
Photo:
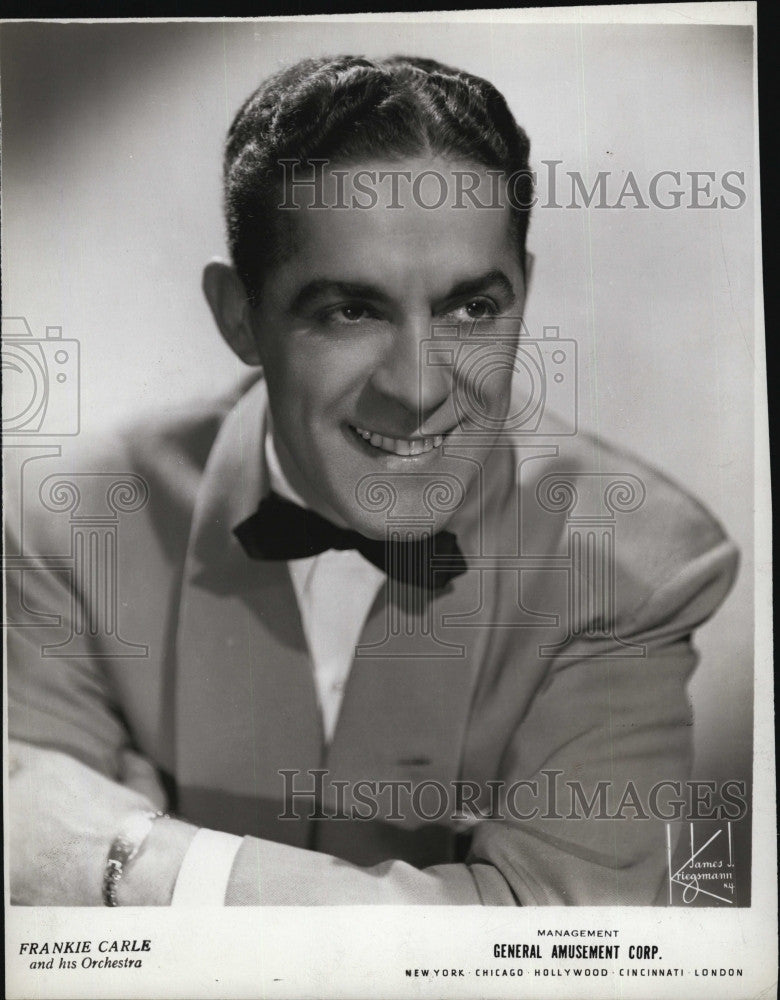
[{"x": 366, "y": 584}]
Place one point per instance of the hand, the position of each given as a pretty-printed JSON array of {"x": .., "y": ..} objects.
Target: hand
[
  {"x": 63, "y": 817},
  {"x": 138, "y": 773}
]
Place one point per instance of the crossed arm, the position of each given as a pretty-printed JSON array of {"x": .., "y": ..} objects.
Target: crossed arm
[
  {"x": 595, "y": 717},
  {"x": 64, "y": 815}
]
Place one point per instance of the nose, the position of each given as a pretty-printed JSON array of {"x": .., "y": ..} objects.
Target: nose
[{"x": 408, "y": 372}]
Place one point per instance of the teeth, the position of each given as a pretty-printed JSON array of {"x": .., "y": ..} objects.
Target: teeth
[{"x": 400, "y": 446}]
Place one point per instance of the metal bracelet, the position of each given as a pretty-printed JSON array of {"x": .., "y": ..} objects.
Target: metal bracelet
[{"x": 123, "y": 850}]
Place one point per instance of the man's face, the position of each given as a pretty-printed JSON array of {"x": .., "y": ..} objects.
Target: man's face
[{"x": 342, "y": 326}]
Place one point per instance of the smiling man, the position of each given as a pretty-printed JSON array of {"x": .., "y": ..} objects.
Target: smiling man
[
  {"x": 386, "y": 662},
  {"x": 339, "y": 324}
]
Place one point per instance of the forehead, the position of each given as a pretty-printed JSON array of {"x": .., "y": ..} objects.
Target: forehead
[{"x": 419, "y": 221}]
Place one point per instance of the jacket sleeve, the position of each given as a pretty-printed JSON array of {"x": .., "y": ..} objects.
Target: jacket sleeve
[
  {"x": 68, "y": 702},
  {"x": 623, "y": 721},
  {"x": 63, "y": 703}
]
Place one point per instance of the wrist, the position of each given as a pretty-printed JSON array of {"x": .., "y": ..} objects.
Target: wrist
[
  {"x": 149, "y": 879},
  {"x": 124, "y": 849}
]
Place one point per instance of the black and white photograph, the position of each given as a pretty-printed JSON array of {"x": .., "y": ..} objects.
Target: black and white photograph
[{"x": 386, "y": 507}]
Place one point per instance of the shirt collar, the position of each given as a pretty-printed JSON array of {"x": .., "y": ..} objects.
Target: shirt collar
[
  {"x": 234, "y": 480},
  {"x": 243, "y": 467},
  {"x": 279, "y": 483}
]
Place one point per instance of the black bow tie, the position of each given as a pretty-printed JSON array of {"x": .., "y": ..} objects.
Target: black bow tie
[{"x": 283, "y": 530}]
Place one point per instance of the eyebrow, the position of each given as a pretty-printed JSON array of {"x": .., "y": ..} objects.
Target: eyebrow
[
  {"x": 318, "y": 288},
  {"x": 473, "y": 286}
]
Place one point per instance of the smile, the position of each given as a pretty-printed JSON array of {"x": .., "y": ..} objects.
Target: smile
[{"x": 400, "y": 446}]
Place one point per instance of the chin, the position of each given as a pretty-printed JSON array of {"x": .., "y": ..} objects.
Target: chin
[{"x": 410, "y": 520}]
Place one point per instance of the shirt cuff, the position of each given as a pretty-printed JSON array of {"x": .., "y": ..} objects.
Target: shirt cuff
[{"x": 205, "y": 871}]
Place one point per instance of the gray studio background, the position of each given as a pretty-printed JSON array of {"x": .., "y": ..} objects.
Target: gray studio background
[{"x": 111, "y": 205}]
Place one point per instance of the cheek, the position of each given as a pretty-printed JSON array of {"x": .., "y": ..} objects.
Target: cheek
[
  {"x": 311, "y": 396},
  {"x": 328, "y": 376}
]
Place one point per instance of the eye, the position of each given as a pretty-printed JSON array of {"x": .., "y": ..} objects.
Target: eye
[
  {"x": 351, "y": 313},
  {"x": 347, "y": 314},
  {"x": 480, "y": 308}
]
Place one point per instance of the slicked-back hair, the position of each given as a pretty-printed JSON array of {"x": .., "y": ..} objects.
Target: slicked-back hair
[{"x": 347, "y": 109}]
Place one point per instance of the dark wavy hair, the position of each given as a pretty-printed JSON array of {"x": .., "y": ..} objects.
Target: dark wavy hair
[{"x": 347, "y": 108}]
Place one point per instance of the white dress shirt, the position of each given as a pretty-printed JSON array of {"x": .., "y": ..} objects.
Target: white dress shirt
[{"x": 335, "y": 591}]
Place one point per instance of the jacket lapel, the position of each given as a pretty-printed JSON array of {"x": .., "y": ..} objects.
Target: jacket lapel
[
  {"x": 245, "y": 700},
  {"x": 409, "y": 695},
  {"x": 246, "y": 705}
]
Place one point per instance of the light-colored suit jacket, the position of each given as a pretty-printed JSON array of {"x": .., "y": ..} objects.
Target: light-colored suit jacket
[{"x": 561, "y": 655}]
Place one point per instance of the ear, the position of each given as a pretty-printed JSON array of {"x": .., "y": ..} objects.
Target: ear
[{"x": 226, "y": 295}]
